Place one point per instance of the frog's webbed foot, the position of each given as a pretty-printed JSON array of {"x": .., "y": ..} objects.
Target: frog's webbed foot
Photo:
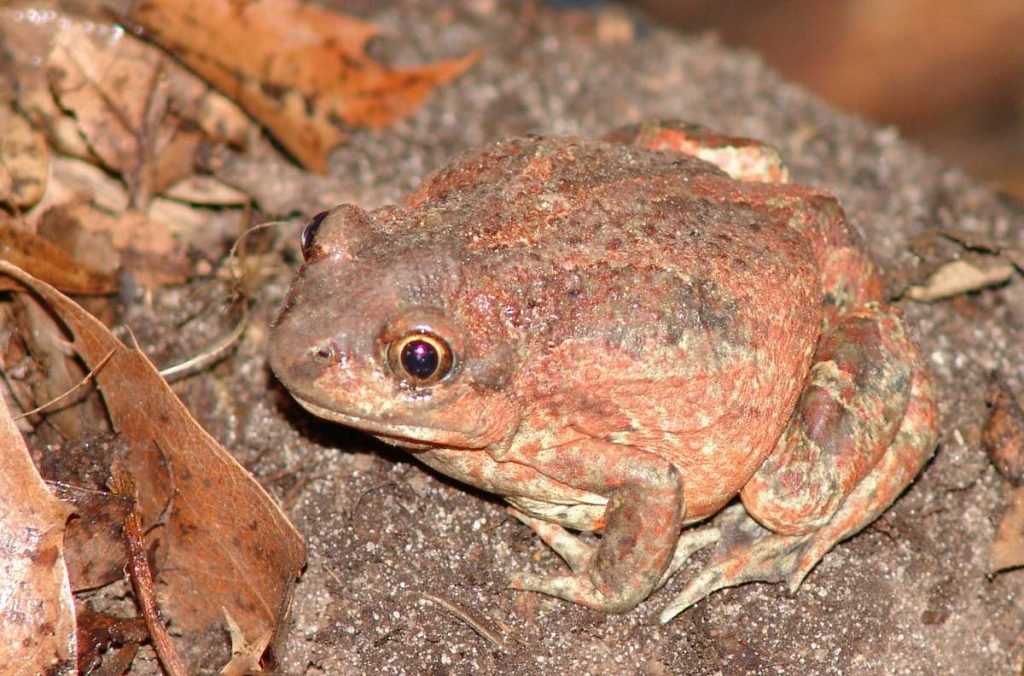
[
  {"x": 572, "y": 550},
  {"x": 589, "y": 584},
  {"x": 577, "y": 587},
  {"x": 747, "y": 552},
  {"x": 639, "y": 523}
]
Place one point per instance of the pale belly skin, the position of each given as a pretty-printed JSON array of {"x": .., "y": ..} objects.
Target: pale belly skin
[{"x": 619, "y": 338}]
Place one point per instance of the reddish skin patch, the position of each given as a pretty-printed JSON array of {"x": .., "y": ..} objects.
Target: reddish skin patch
[{"x": 636, "y": 339}]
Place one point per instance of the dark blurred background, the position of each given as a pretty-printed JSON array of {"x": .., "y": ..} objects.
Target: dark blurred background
[{"x": 950, "y": 75}]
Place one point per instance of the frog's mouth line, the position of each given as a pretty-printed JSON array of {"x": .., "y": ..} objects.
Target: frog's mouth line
[{"x": 410, "y": 436}]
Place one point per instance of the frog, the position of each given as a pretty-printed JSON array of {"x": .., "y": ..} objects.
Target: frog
[{"x": 650, "y": 344}]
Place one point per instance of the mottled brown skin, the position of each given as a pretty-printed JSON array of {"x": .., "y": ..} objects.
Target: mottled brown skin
[{"x": 637, "y": 337}]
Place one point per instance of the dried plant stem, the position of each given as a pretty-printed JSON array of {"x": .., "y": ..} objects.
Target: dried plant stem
[{"x": 142, "y": 582}]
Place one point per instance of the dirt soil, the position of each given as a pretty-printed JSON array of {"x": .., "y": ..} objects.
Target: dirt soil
[{"x": 402, "y": 561}]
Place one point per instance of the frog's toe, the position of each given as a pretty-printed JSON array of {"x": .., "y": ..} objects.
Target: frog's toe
[
  {"x": 575, "y": 588},
  {"x": 689, "y": 544},
  {"x": 751, "y": 554},
  {"x": 574, "y": 552},
  {"x": 579, "y": 589}
]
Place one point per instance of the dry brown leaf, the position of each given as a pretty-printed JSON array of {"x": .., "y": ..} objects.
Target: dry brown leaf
[
  {"x": 1007, "y": 549},
  {"x": 223, "y": 543},
  {"x": 953, "y": 262},
  {"x": 125, "y": 122},
  {"x": 24, "y": 161},
  {"x": 295, "y": 67},
  {"x": 47, "y": 261},
  {"x": 145, "y": 247},
  {"x": 73, "y": 181},
  {"x": 37, "y": 613},
  {"x": 1003, "y": 437},
  {"x": 245, "y": 653},
  {"x": 981, "y": 242},
  {"x": 27, "y": 33},
  {"x": 107, "y": 640},
  {"x": 43, "y": 370},
  {"x": 960, "y": 276},
  {"x": 94, "y": 544},
  {"x": 208, "y": 191},
  {"x": 121, "y": 110},
  {"x": 972, "y": 241},
  {"x": 219, "y": 118},
  {"x": 1003, "y": 434}
]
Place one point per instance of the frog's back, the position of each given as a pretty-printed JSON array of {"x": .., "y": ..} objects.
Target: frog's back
[{"x": 573, "y": 238}]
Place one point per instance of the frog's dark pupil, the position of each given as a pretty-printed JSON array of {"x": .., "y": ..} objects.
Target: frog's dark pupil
[
  {"x": 420, "y": 359},
  {"x": 309, "y": 232}
]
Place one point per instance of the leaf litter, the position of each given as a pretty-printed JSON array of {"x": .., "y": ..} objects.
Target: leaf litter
[{"x": 110, "y": 184}]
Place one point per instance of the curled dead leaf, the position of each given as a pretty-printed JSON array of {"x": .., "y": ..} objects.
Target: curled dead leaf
[
  {"x": 974, "y": 241},
  {"x": 107, "y": 640},
  {"x": 24, "y": 161},
  {"x": 139, "y": 244},
  {"x": 39, "y": 368},
  {"x": 121, "y": 110},
  {"x": 297, "y": 68},
  {"x": 34, "y": 587},
  {"x": 223, "y": 542},
  {"x": 1003, "y": 434},
  {"x": 94, "y": 543},
  {"x": 1007, "y": 550},
  {"x": 47, "y": 261},
  {"x": 207, "y": 190},
  {"x": 961, "y": 276}
]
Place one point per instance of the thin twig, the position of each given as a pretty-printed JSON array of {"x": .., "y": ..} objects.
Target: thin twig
[
  {"x": 218, "y": 349},
  {"x": 88, "y": 377},
  {"x": 211, "y": 354},
  {"x": 142, "y": 581},
  {"x": 478, "y": 624},
  {"x": 233, "y": 253}
]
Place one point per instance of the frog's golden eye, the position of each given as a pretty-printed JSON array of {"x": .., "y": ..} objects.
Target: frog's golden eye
[
  {"x": 308, "y": 239},
  {"x": 420, "y": 358}
]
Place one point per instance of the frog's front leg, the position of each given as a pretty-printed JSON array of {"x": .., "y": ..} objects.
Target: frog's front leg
[
  {"x": 864, "y": 427},
  {"x": 642, "y": 521}
]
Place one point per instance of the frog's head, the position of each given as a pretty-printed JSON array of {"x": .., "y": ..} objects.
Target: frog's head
[{"x": 370, "y": 336}]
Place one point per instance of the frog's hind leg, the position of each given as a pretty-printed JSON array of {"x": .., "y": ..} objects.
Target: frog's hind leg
[
  {"x": 854, "y": 401},
  {"x": 837, "y": 467},
  {"x": 911, "y": 448}
]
